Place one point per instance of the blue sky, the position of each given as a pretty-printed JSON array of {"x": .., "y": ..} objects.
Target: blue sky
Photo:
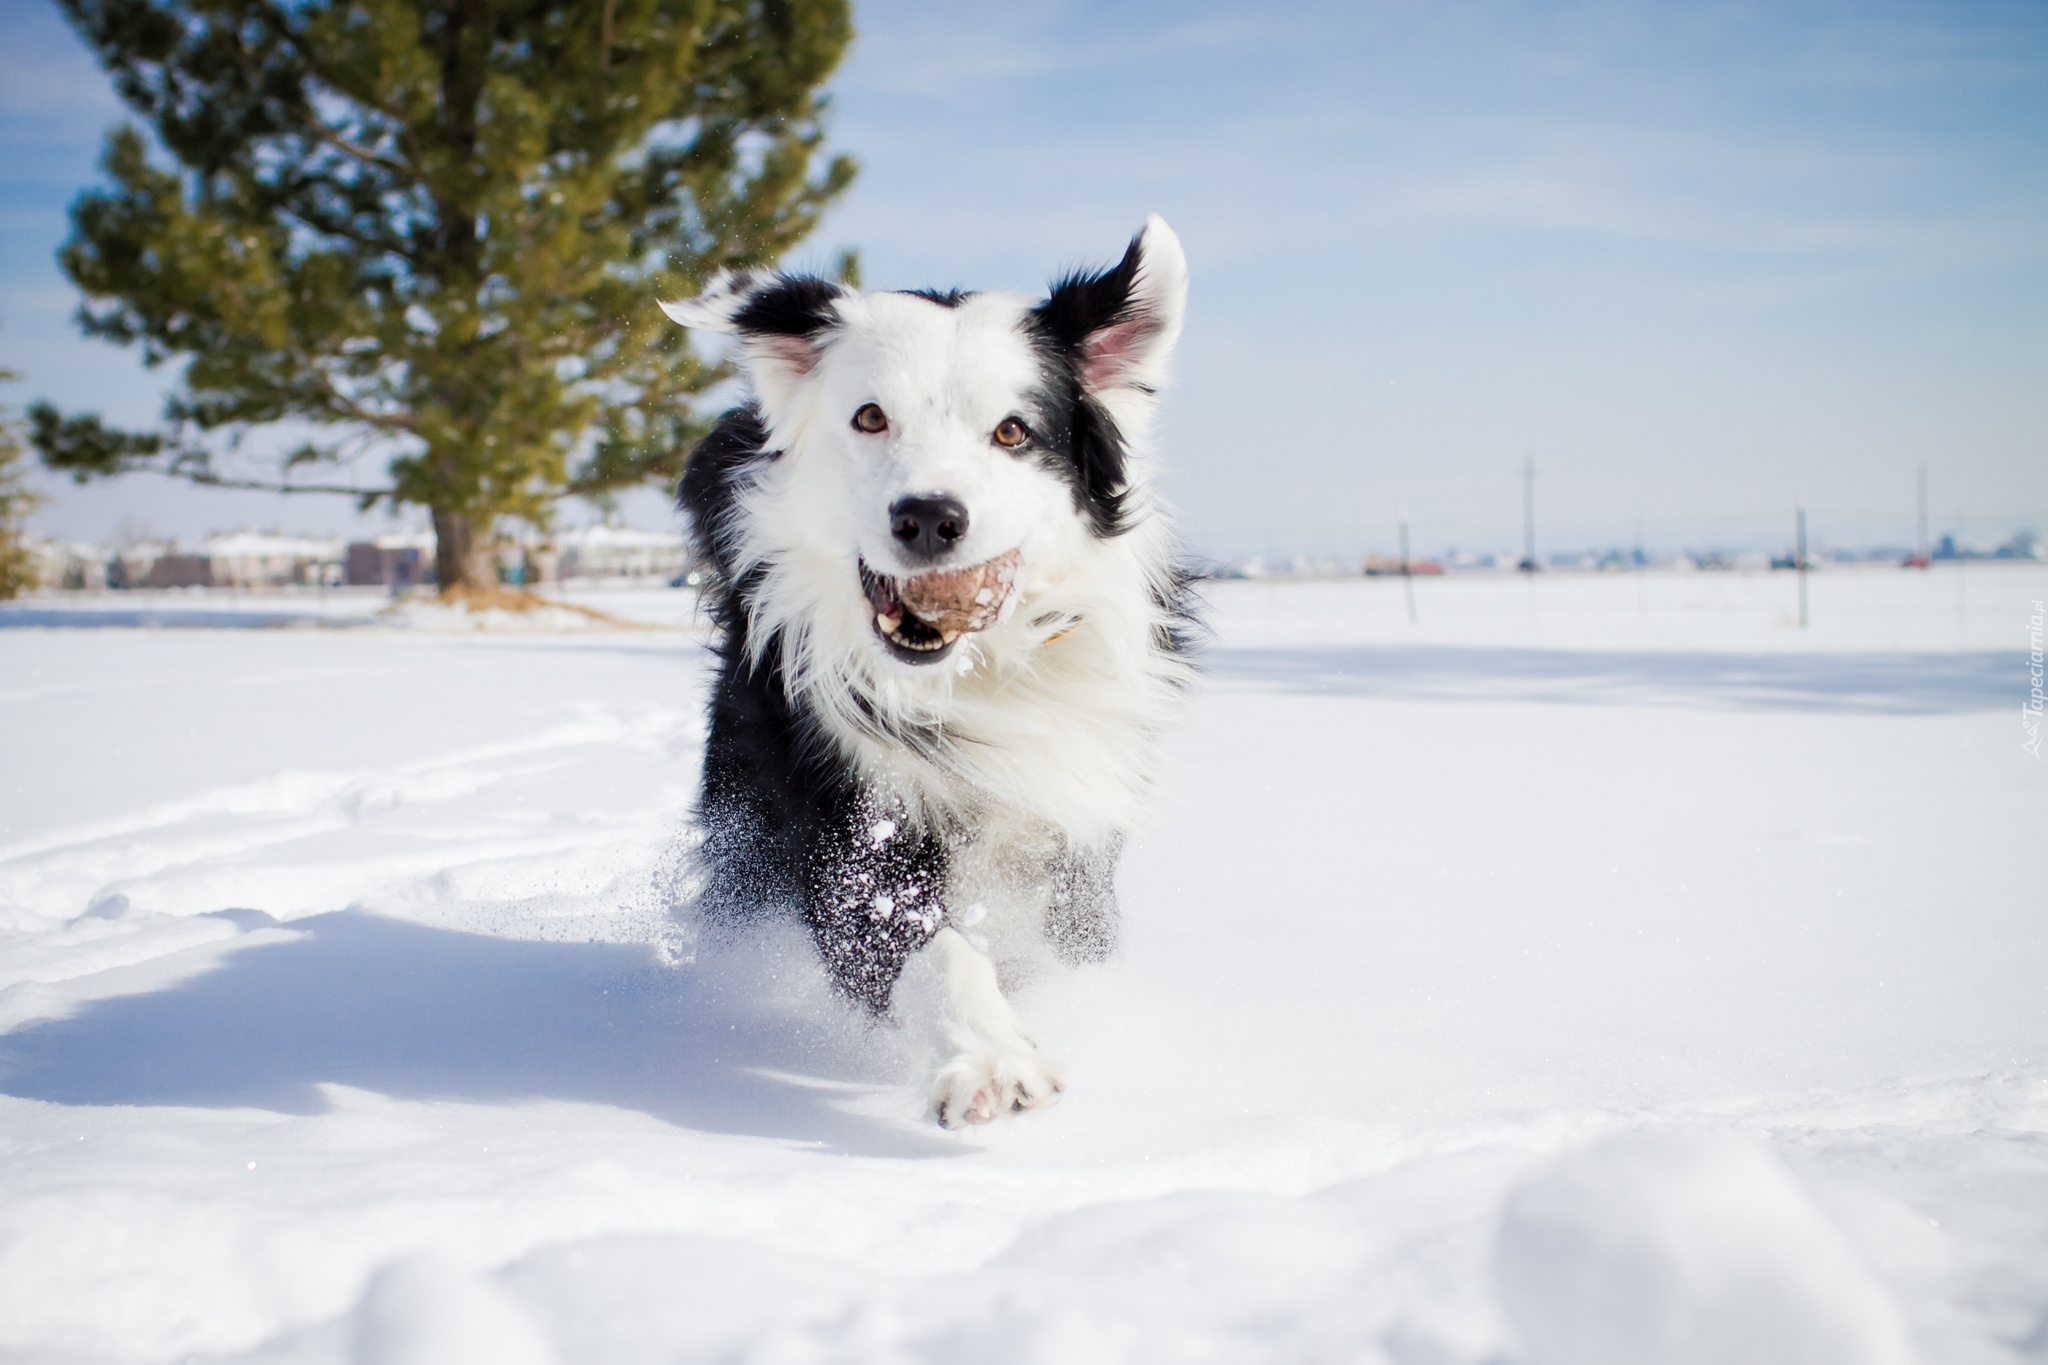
[{"x": 1699, "y": 261}]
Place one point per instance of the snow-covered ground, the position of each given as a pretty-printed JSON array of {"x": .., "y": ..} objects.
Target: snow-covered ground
[{"x": 1601, "y": 970}]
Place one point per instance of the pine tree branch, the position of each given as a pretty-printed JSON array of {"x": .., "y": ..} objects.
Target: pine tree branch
[
  {"x": 329, "y": 226},
  {"x": 309, "y": 62},
  {"x": 352, "y": 410},
  {"x": 326, "y": 136},
  {"x": 260, "y": 486},
  {"x": 301, "y": 109}
]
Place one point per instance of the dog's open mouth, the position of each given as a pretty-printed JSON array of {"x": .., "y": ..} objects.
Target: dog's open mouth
[{"x": 921, "y": 617}]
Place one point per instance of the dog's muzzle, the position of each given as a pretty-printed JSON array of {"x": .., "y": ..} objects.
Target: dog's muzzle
[{"x": 919, "y": 618}]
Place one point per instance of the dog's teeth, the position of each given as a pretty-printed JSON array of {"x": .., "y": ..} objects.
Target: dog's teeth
[
  {"x": 889, "y": 624},
  {"x": 947, "y": 637}
]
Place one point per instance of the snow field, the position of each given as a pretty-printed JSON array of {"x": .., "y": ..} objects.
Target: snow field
[{"x": 1601, "y": 970}]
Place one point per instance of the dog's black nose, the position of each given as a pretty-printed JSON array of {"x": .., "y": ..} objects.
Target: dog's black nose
[{"x": 927, "y": 527}]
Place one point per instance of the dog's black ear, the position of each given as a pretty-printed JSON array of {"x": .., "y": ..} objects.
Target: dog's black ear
[
  {"x": 1120, "y": 324},
  {"x": 783, "y": 322}
]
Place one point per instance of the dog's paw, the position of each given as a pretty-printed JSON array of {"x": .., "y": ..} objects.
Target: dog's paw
[{"x": 984, "y": 1085}]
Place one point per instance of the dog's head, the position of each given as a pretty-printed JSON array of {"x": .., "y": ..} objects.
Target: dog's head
[{"x": 938, "y": 452}]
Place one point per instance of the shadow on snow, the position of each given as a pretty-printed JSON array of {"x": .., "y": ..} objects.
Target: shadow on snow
[
  {"x": 1906, "y": 684},
  {"x": 433, "y": 1014},
  {"x": 149, "y": 618}
]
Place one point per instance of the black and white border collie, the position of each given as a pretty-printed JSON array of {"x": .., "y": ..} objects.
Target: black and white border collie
[{"x": 951, "y": 628}]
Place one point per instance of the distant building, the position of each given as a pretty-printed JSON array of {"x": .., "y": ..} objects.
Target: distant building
[
  {"x": 62, "y": 564},
  {"x": 1466, "y": 560},
  {"x": 620, "y": 552},
  {"x": 400, "y": 559},
  {"x": 2023, "y": 545},
  {"x": 157, "y": 564},
  {"x": 404, "y": 558},
  {"x": 176, "y": 570},
  {"x": 1378, "y": 566},
  {"x": 265, "y": 559}
]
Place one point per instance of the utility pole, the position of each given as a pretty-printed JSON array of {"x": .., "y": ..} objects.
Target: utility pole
[
  {"x": 1921, "y": 552},
  {"x": 1407, "y": 574},
  {"x": 1799, "y": 556},
  {"x": 1528, "y": 564},
  {"x": 1642, "y": 566}
]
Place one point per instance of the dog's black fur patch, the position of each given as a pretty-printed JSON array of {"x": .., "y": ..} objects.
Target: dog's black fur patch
[
  {"x": 1082, "y": 443},
  {"x": 1078, "y": 440},
  {"x": 793, "y": 306},
  {"x": 786, "y": 822},
  {"x": 945, "y": 298},
  {"x": 1084, "y": 302}
]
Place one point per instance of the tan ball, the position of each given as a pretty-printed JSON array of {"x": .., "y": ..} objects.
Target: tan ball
[{"x": 956, "y": 601}]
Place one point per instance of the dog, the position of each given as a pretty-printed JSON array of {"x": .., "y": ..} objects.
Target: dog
[{"x": 952, "y": 626}]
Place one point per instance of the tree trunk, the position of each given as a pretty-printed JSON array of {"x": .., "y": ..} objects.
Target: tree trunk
[{"x": 463, "y": 560}]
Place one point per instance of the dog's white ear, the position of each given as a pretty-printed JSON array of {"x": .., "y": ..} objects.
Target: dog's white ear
[
  {"x": 715, "y": 308},
  {"x": 784, "y": 323},
  {"x": 1120, "y": 324}
]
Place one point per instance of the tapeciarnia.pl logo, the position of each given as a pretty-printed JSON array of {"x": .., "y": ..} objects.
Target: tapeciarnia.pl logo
[{"x": 2030, "y": 710}]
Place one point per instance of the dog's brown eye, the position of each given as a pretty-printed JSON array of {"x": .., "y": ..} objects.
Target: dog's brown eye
[
  {"x": 1011, "y": 433},
  {"x": 870, "y": 419}
]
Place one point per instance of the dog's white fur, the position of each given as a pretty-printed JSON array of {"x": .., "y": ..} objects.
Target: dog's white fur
[{"x": 1039, "y": 727}]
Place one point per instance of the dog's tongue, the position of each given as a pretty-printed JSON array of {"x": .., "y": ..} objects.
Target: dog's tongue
[{"x": 955, "y": 601}]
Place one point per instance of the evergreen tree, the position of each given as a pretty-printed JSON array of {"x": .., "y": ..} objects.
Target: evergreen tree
[
  {"x": 17, "y": 500},
  {"x": 436, "y": 229}
]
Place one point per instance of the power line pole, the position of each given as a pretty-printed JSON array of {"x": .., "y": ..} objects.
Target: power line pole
[
  {"x": 1528, "y": 564},
  {"x": 1921, "y": 554},
  {"x": 1642, "y": 566},
  {"x": 1407, "y": 574},
  {"x": 1799, "y": 557}
]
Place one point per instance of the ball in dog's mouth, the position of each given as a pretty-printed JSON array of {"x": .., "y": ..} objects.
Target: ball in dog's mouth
[{"x": 920, "y": 617}]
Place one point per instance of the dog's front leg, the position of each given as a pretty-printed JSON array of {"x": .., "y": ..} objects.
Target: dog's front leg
[{"x": 994, "y": 1067}]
